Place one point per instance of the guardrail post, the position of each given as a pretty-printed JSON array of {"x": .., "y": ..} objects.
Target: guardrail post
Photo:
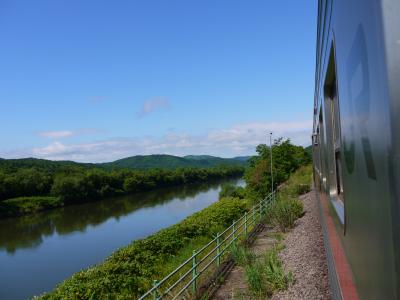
[
  {"x": 233, "y": 230},
  {"x": 194, "y": 272},
  {"x": 155, "y": 292},
  {"x": 245, "y": 224},
  {"x": 218, "y": 249}
]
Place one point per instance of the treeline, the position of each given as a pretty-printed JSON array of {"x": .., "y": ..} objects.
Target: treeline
[
  {"x": 287, "y": 158},
  {"x": 73, "y": 185}
]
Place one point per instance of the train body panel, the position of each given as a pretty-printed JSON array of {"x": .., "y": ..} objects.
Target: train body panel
[{"x": 356, "y": 143}]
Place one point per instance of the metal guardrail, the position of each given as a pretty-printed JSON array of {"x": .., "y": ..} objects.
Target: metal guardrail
[{"x": 183, "y": 282}]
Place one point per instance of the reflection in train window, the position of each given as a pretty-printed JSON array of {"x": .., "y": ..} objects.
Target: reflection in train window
[{"x": 332, "y": 102}]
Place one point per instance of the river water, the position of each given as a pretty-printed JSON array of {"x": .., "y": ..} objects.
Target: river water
[{"x": 41, "y": 250}]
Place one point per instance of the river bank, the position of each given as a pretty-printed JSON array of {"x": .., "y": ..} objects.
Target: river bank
[
  {"x": 96, "y": 185},
  {"x": 130, "y": 271},
  {"x": 43, "y": 249}
]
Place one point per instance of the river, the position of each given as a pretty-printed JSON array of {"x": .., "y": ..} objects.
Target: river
[{"x": 38, "y": 251}]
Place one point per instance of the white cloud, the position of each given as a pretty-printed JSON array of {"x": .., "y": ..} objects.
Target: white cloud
[
  {"x": 67, "y": 133},
  {"x": 152, "y": 105},
  {"x": 56, "y": 134},
  {"x": 240, "y": 139}
]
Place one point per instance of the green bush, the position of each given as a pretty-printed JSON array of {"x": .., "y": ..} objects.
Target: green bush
[
  {"x": 230, "y": 190},
  {"x": 24, "y": 205},
  {"x": 284, "y": 212},
  {"x": 287, "y": 158}
]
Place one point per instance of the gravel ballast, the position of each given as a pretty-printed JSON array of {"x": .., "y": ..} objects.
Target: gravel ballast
[{"x": 304, "y": 255}]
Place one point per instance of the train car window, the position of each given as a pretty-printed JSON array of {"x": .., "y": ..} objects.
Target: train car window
[
  {"x": 323, "y": 167},
  {"x": 332, "y": 101}
]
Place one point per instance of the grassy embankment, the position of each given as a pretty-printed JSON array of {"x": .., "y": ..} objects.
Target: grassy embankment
[
  {"x": 130, "y": 271},
  {"x": 266, "y": 275}
]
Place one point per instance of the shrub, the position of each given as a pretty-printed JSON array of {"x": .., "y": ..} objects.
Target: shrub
[
  {"x": 284, "y": 212},
  {"x": 230, "y": 190},
  {"x": 24, "y": 205}
]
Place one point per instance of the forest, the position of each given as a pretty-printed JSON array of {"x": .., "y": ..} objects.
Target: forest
[{"x": 29, "y": 189}]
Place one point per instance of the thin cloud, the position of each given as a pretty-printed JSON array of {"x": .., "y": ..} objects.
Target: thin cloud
[
  {"x": 240, "y": 139},
  {"x": 59, "y": 134},
  {"x": 56, "y": 134},
  {"x": 153, "y": 104}
]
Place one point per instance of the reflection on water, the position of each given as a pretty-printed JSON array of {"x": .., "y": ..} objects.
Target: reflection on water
[{"x": 42, "y": 249}]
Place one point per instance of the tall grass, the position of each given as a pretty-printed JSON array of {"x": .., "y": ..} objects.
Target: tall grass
[
  {"x": 242, "y": 255},
  {"x": 266, "y": 275},
  {"x": 287, "y": 208}
]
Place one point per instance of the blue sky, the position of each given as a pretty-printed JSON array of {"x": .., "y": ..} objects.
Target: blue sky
[{"x": 101, "y": 80}]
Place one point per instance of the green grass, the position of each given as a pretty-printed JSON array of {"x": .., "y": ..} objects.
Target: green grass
[
  {"x": 298, "y": 183},
  {"x": 288, "y": 208},
  {"x": 242, "y": 255},
  {"x": 275, "y": 277},
  {"x": 266, "y": 275},
  {"x": 130, "y": 271},
  {"x": 26, "y": 205},
  {"x": 256, "y": 279}
]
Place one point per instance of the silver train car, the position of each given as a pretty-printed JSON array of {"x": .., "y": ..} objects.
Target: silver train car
[{"x": 356, "y": 145}]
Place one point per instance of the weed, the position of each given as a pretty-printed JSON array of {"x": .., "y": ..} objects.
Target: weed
[
  {"x": 284, "y": 212},
  {"x": 256, "y": 278},
  {"x": 243, "y": 256}
]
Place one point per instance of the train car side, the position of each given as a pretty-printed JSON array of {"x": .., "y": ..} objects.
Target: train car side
[{"x": 356, "y": 144}]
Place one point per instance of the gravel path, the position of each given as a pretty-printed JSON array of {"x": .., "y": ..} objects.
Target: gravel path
[{"x": 304, "y": 255}]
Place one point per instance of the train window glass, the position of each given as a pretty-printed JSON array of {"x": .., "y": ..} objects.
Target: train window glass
[
  {"x": 336, "y": 140},
  {"x": 333, "y": 131},
  {"x": 321, "y": 150}
]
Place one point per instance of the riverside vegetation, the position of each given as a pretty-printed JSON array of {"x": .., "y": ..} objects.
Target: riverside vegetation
[
  {"x": 130, "y": 271},
  {"x": 30, "y": 189}
]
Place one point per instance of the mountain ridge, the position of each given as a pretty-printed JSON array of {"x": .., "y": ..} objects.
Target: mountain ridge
[{"x": 162, "y": 161}]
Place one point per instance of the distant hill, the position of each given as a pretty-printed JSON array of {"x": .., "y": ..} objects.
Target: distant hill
[
  {"x": 44, "y": 164},
  {"x": 171, "y": 162},
  {"x": 242, "y": 158},
  {"x": 162, "y": 161}
]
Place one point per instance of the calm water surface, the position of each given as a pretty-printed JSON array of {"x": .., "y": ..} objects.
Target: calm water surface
[{"x": 39, "y": 251}]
